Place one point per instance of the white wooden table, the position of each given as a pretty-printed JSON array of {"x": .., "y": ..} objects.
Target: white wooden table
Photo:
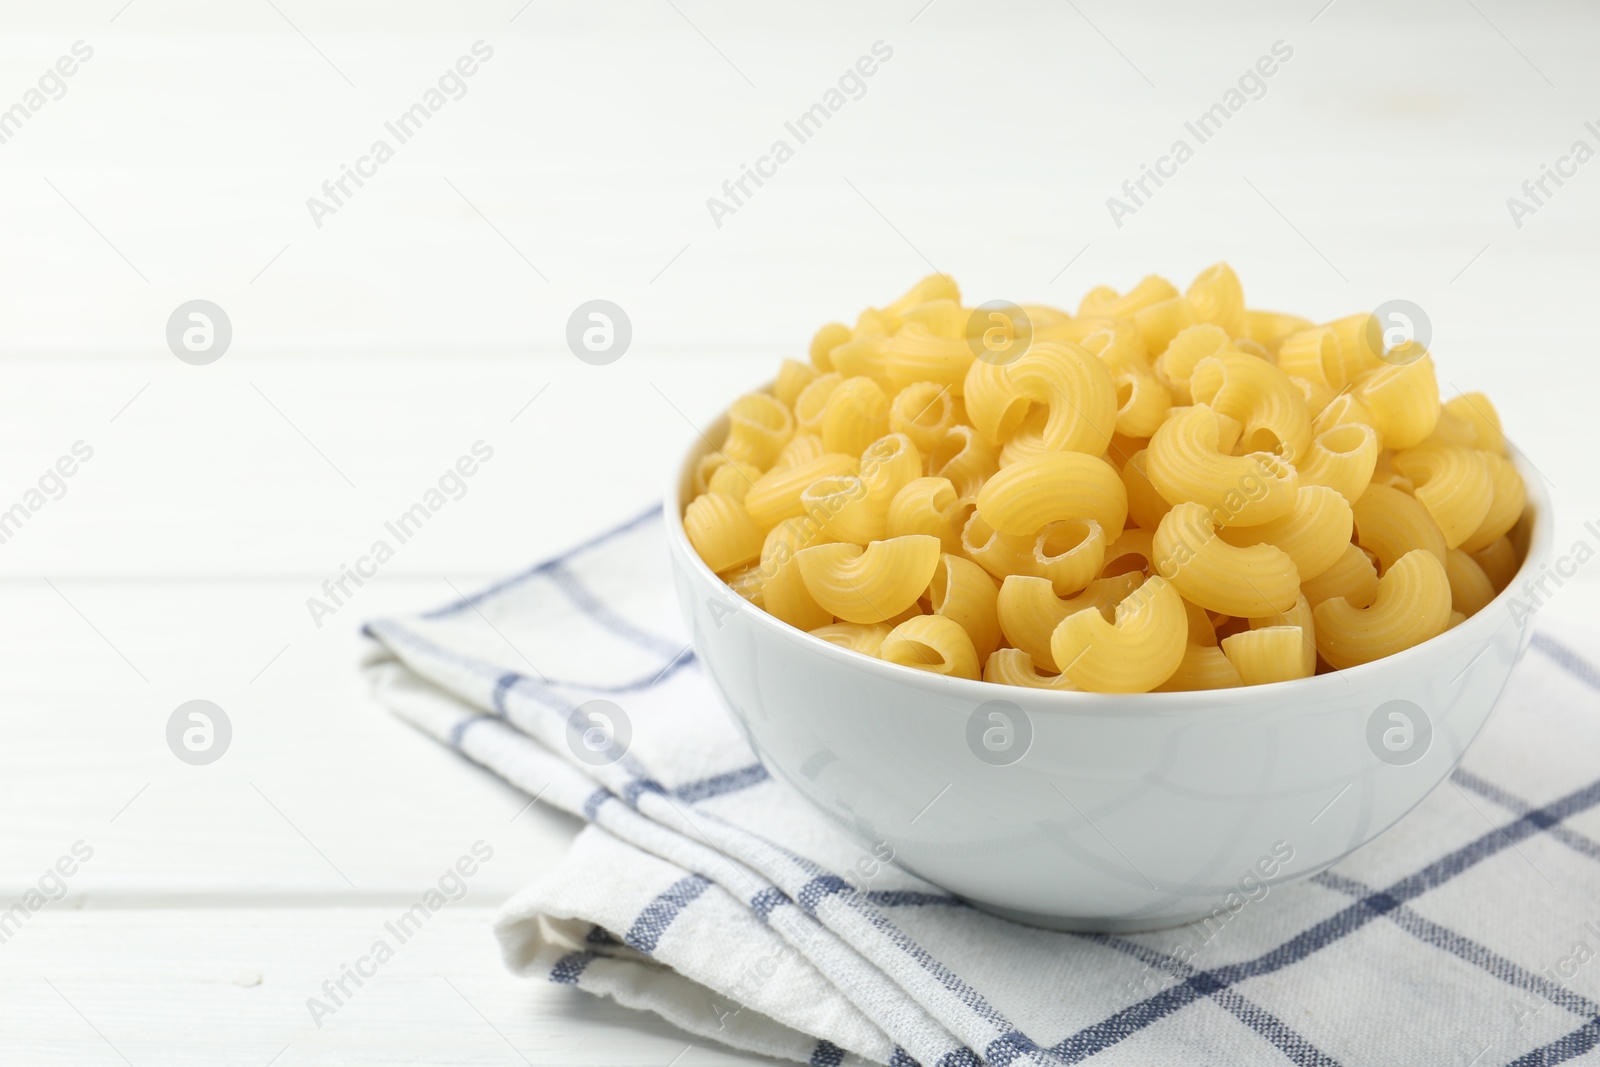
[{"x": 428, "y": 312}]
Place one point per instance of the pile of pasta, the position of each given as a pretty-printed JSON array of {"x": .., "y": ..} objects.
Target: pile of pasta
[{"x": 1165, "y": 491}]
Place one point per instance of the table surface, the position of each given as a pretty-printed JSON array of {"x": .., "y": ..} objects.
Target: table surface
[{"x": 374, "y": 345}]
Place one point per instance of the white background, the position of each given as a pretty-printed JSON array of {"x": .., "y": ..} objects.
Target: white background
[{"x": 425, "y": 314}]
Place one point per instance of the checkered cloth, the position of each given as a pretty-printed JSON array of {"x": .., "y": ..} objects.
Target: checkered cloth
[{"x": 706, "y": 891}]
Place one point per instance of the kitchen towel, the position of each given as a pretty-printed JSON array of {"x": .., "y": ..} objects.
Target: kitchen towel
[{"x": 707, "y": 891}]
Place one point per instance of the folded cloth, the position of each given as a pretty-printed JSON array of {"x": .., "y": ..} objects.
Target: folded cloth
[{"x": 709, "y": 892}]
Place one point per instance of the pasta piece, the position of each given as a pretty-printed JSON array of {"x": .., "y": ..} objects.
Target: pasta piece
[
  {"x": 869, "y": 584},
  {"x": 1454, "y": 484},
  {"x": 1343, "y": 459},
  {"x": 1342, "y": 410},
  {"x": 1413, "y": 605},
  {"x": 995, "y": 406},
  {"x": 1143, "y": 400},
  {"x": 758, "y": 428},
  {"x": 999, "y": 554},
  {"x": 733, "y": 478},
  {"x": 1218, "y": 576},
  {"x": 866, "y": 356},
  {"x": 1474, "y": 409},
  {"x": 776, "y": 494},
  {"x": 1217, "y": 297},
  {"x": 812, "y": 403},
  {"x": 917, "y": 354},
  {"x": 802, "y": 448},
  {"x": 1134, "y": 654},
  {"x": 1202, "y": 667},
  {"x": 1390, "y": 523},
  {"x": 1178, "y": 360},
  {"x": 1314, "y": 534},
  {"x": 1270, "y": 654},
  {"x": 931, "y": 643},
  {"x": 1070, "y": 553},
  {"x": 865, "y": 638},
  {"x": 1146, "y": 505},
  {"x": 1470, "y": 588},
  {"x": 1301, "y": 618},
  {"x": 964, "y": 459},
  {"x": 722, "y": 532},
  {"x": 1271, "y": 328},
  {"x": 1185, "y": 463},
  {"x": 1352, "y": 577},
  {"x": 1260, "y": 397},
  {"x": 1134, "y": 549},
  {"x": 1076, "y": 390},
  {"x": 1499, "y": 562},
  {"x": 1104, "y": 300},
  {"x": 1028, "y": 439},
  {"x": 824, "y": 342},
  {"x": 1313, "y": 354},
  {"x": 793, "y": 377},
  {"x": 1029, "y": 610},
  {"x": 1508, "y": 499},
  {"x": 933, "y": 287},
  {"x": 784, "y": 592},
  {"x": 963, "y": 592},
  {"x": 746, "y": 581},
  {"x": 1404, "y": 399},
  {"x": 1012, "y": 666},
  {"x": 857, "y": 414},
  {"x": 1023, "y": 497},
  {"x": 924, "y": 412},
  {"x": 856, "y": 508},
  {"x": 929, "y": 506},
  {"x": 1316, "y": 395},
  {"x": 1115, "y": 341}
]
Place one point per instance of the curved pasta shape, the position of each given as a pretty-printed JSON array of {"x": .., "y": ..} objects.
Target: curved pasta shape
[
  {"x": 1216, "y": 297},
  {"x": 931, "y": 643},
  {"x": 1314, "y": 533},
  {"x": 1104, "y": 301},
  {"x": 784, "y": 593},
  {"x": 1413, "y": 605},
  {"x": 857, "y": 414},
  {"x": 1185, "y": 463},
  {"x": 793, "y": 377},
  {"x": 1146, "y": 505},
  {"x": 1270, "y": 654},
  {"x": 1077, "y": 391},
  {"x": 1352, "y": 577},
  {"x": 1343, "y": 459},
  {"x": 963, "y": 592},
  {"x": 869, "y": 584},
  {"x": 758, "y": 427},
  {"x": 812, "y": 403},
  {"x": 1134, "y": 654},
  {"x": 824, "y": 341},
  {"x": 924, "y": 412},
  {"x": 999, "y": 554},
  {"x": 1316, "y": 395},
  {"x": 747, "y": 582},
  {"x": 1475, "y": 410},
  {"x": 917, "y": 354},
  {"x": 1028, "y": 439},
  {"x": 802, "y": 448},
  {"x": 865, "y": 356},
  {"x": 963, "y": 458},
  {"x": 1271, "y": 328},
  {"x": 1134, "y": 550},
  {"x": 1070, "y": 553},
  {"x": 865, "y": 638},
  {"x": 1508, "y": 499},
  {"x": 1115, "y": 341},
  {"x": 1202, "y": 667},
  {"x": 1390, "y": 524},
  {"x": 1301, "y": 618},
  {"x": 1342, "y": 410},
  {"x": 1143, "y": 400},
  {"x": 838, "y": 505},
  {"x": 1029, "y": 610},
  {"x": 776, "y": 494},
  {"x": 933, "y": 287},
  {"x": 1260, "y": 397},
  {"x": 1312, "y": 353},
  {"x": 995, "y": 406},
  {"x": 1470, "y": 588},
  {"x": 1356, "y": 356},
  {"x": 1403, "y": 399},
  {"x": 1012, "y": 666},
  {"x": 1023, "y": 497},
  {"x": 1454, "y": 484},
  {"x": 734, "y": 478},
  {"x": 1218, "y": 576},
  {"x": 929, "y": 506},
  {"x": 722, "y": 532},
  {"x": 1499, "y": 562},
  {"x": 1177, "y": 361}
]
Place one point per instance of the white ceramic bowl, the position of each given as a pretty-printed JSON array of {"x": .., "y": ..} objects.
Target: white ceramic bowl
[{"x": 1086, "y": 811}]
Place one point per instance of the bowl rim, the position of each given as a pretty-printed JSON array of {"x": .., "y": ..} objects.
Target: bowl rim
[{"x": 1476, "y": 629}]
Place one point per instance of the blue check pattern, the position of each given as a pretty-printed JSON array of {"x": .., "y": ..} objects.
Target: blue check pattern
[{"x": 500, "y": 695}]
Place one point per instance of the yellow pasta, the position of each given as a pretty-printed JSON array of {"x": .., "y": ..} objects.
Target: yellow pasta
[
  {"x": 1169, "y": 490},
  {"x": 869, "y": 584},
  {"x": 964, "y": 593},
  {"x": 931, "y": 643},
  {"x": 1208, "y": 571},
  {"x": 722, "y": 532},
  {"x": 865, "y": 638},
  {"x": 1022, "y": 497},
  {"x": 1133, "y": 654},
  {"x": 1452, "y": 483},
  {"x": 1313, "y": 534},
  {"x": 1413, "y": 604},
  {"x": 1185, "y": 463}
]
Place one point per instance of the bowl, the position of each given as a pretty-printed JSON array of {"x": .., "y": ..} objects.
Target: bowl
[{"x": 1100, "y": 812}]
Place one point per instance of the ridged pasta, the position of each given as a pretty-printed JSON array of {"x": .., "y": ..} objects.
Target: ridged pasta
[
  {"x": 1470, "y": 588},
  {"x": 722, "y": 532},
  {"x": 924, "y": 412},
  {"x": 1185, "y": 462},
  {"x": 964, "y": 458},
  {"x": 812, "y": 403},
  {"x": 784, "y": 592},
  {"x": 1029, "y": 610},
  {"x": 917, "y": 354},
  {"x": 1499, "y": 561},
  {"x": 1104, "y": 301},
  {"x": 1352, "y": 577},
  {"x": 857, "y": 415},
  {"x": 994, "y": 405},
  {"x": 1314, "y": 533},
  {"x": 865, "y": 638},
  {"x": 931, "y": 643},
  {"x": 793, "y": 377},
  {"x": 1201, "y": 667},
  {"x": 1509, "y": 497},
  {"x": 1178, "y": 359},
  {"x": 1390, "y": 523},
  {"x": 1271, "y": 328},
  {"x": 1076, "y": 390},
  {"x": 963, "y": 592},
  {"x": 1146, "y": 505},
  {"x": 1452, "y": 483},
  {"x": 1133, "y": 654},
  {"x": 1026, "y": 495},
  {"x": 1404, "y": 400},
  {"x": 824, "y": 341},
  {"x": 1260, "y": 397},
  {"x": 1342, "y": 458},
  {"x": 1012, "y": 666},
  {"x": 1143, "y": 400},
  {"x": 759, "y": 426},
  {"x": 869, "y": 584},
  {"x": 802, "y": 448},
  {"x": 1413, "y": 605},
  {"x": 929, "y": 506},
  {"x": 776, "y": 494},
  {"x": 1218, "y": 576}
]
